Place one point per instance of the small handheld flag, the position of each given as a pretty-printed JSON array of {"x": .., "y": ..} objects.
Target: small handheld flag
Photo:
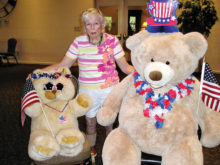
[
  {"x": 209, "y": 88},
  {"x": 29, "y": 96}
]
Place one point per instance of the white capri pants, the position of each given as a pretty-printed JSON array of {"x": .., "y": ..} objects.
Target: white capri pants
[{"x": 98, "y": 96}]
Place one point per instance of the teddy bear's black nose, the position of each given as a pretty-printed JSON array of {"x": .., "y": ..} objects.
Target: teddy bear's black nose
[{"x": 155, "y": 76}]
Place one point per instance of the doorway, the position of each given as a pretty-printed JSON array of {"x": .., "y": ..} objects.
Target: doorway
[
  {"x": 124, "y": 17},
  {"x": 134, "y": 21}
]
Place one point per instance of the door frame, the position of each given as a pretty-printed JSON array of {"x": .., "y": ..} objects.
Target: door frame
[
  {"x": 122, "y": 10},
  {"x": 122, "y": 15}
]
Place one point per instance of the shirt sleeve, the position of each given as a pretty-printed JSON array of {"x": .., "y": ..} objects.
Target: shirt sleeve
[
  {"x": 73, "y": 50},
  {"x": 118, "y": 50}
]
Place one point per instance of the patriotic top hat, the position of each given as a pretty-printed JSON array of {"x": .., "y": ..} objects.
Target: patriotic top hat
[{"x": 163, "y": 16}]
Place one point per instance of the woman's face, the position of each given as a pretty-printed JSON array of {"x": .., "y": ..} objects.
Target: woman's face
[{"x": 93, "y": 26}]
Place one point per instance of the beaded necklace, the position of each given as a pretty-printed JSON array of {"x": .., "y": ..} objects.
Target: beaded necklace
[
  {"x": 62, "y": 118},
  {"x": 98, "y": 43},
  {"x": 157, "y": 106}
]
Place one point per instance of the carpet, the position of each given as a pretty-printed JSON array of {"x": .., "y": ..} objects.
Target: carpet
[{"x": 14, "y": 138}]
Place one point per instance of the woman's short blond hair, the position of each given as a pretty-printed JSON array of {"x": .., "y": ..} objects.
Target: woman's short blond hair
[{"x": 87, "y": 13}]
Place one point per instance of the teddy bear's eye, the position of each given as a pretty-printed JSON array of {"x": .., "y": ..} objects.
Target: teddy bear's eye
[
  {"x": 152, "y": 60},
  {"x": 167, "y": 62},
  {"x": 48, "y": 86},
  {"x": 59, "y": 86}
]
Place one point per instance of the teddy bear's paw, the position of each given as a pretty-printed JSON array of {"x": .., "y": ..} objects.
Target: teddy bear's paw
[
  {"x": 211, "y": 129},
  {"x": 210, "y": 140},
  {"x": 71, "y": 142},
  {"x": 106, "y": 116},
  {"x": 70, "y": 152},
  {"x": 33, "y": 110},
  {"x": 84, "y": 100},
  {"x": 43, "y": 148}
]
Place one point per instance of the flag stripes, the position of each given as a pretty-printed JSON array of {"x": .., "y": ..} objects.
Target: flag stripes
[
  {"x": 29, "y": 99},
  {"x": 162, "y": 10},
  {"x": 210, "y": 89},
  {"x": 211, "y": 102},
  {"x": 29, "y": 95}
]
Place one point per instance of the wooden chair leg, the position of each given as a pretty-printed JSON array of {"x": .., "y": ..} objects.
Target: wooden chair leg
[
  {"x": 1, "y": 60},
  {"x": 16, "y": 59},
  {"x": 7, "y": 60}
]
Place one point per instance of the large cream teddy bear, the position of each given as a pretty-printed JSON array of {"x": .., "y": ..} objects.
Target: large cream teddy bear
[
  {"x": 54, "y": 112},
  {"x": 159, "y": 105}
]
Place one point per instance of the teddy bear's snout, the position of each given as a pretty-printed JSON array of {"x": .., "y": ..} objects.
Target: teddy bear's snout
[
  {"x": 155, "y": 75},
  {"x": 50, "y": 95},
  {"x": 54, "y": 91}
]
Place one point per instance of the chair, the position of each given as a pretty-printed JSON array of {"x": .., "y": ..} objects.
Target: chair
[
  {"x": 149, "y": 159},
  {"x": 11, "y": 53}
]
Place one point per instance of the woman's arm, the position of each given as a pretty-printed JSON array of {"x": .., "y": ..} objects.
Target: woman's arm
[
  {"x": 124, "y": 66},
  {"x": 66, "y": 62}
]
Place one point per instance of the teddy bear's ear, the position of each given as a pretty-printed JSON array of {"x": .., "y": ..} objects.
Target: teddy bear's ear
[
  {"x": 64, "y": 71},
  {"x": 197, "y": 43},
  {"x": 136, "y": 39}
]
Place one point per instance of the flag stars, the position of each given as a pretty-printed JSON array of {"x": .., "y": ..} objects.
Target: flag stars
[
  {"x": 209, "y": 76},
  {"x": 173, "y": 18}
]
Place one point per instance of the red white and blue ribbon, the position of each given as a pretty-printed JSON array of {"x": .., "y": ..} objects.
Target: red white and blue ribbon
[{"x": 157, "y": 106}]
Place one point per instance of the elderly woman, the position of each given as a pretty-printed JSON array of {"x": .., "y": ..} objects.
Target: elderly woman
[{"x": 96, "y": 53}]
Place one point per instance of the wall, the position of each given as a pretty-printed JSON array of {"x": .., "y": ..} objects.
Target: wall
[
  {"x": 44, "y": 28},
  {"x": 213, "y": 54}
]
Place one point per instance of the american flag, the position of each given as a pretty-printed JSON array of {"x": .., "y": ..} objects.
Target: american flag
[
  {"x": 29, "y": 96},
  {"x": 209, "y": 88}
]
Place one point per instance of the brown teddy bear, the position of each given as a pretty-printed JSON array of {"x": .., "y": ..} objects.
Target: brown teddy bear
[
  {"x": 159, "y": 105},
  {"x": 54, "y": 112}
]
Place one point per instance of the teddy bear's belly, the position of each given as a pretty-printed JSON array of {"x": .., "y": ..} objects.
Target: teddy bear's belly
[
  {"x": 56, "y": 120},
  {"x": 177, "y": 125}
]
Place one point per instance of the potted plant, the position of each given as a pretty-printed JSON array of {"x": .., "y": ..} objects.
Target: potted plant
[{"x": 196, "y": 15}]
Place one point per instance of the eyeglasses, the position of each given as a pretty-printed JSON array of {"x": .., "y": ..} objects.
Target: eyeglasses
[{"x": 50, "y": 86}]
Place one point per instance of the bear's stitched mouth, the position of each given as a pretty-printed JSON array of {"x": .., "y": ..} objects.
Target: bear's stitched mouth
[
  {"x": 155, "y": 76},
  {"x": 155, "y": 86}
]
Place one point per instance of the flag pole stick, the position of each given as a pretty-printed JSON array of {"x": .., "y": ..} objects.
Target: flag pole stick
[
  {"x": 47, "y": 120},
  {"x": 201, "y": 82},
  {"x": 202, "y": 75}
]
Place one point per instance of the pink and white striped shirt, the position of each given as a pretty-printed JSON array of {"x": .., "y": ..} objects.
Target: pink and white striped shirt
[{"x": 96, "y": 63}]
